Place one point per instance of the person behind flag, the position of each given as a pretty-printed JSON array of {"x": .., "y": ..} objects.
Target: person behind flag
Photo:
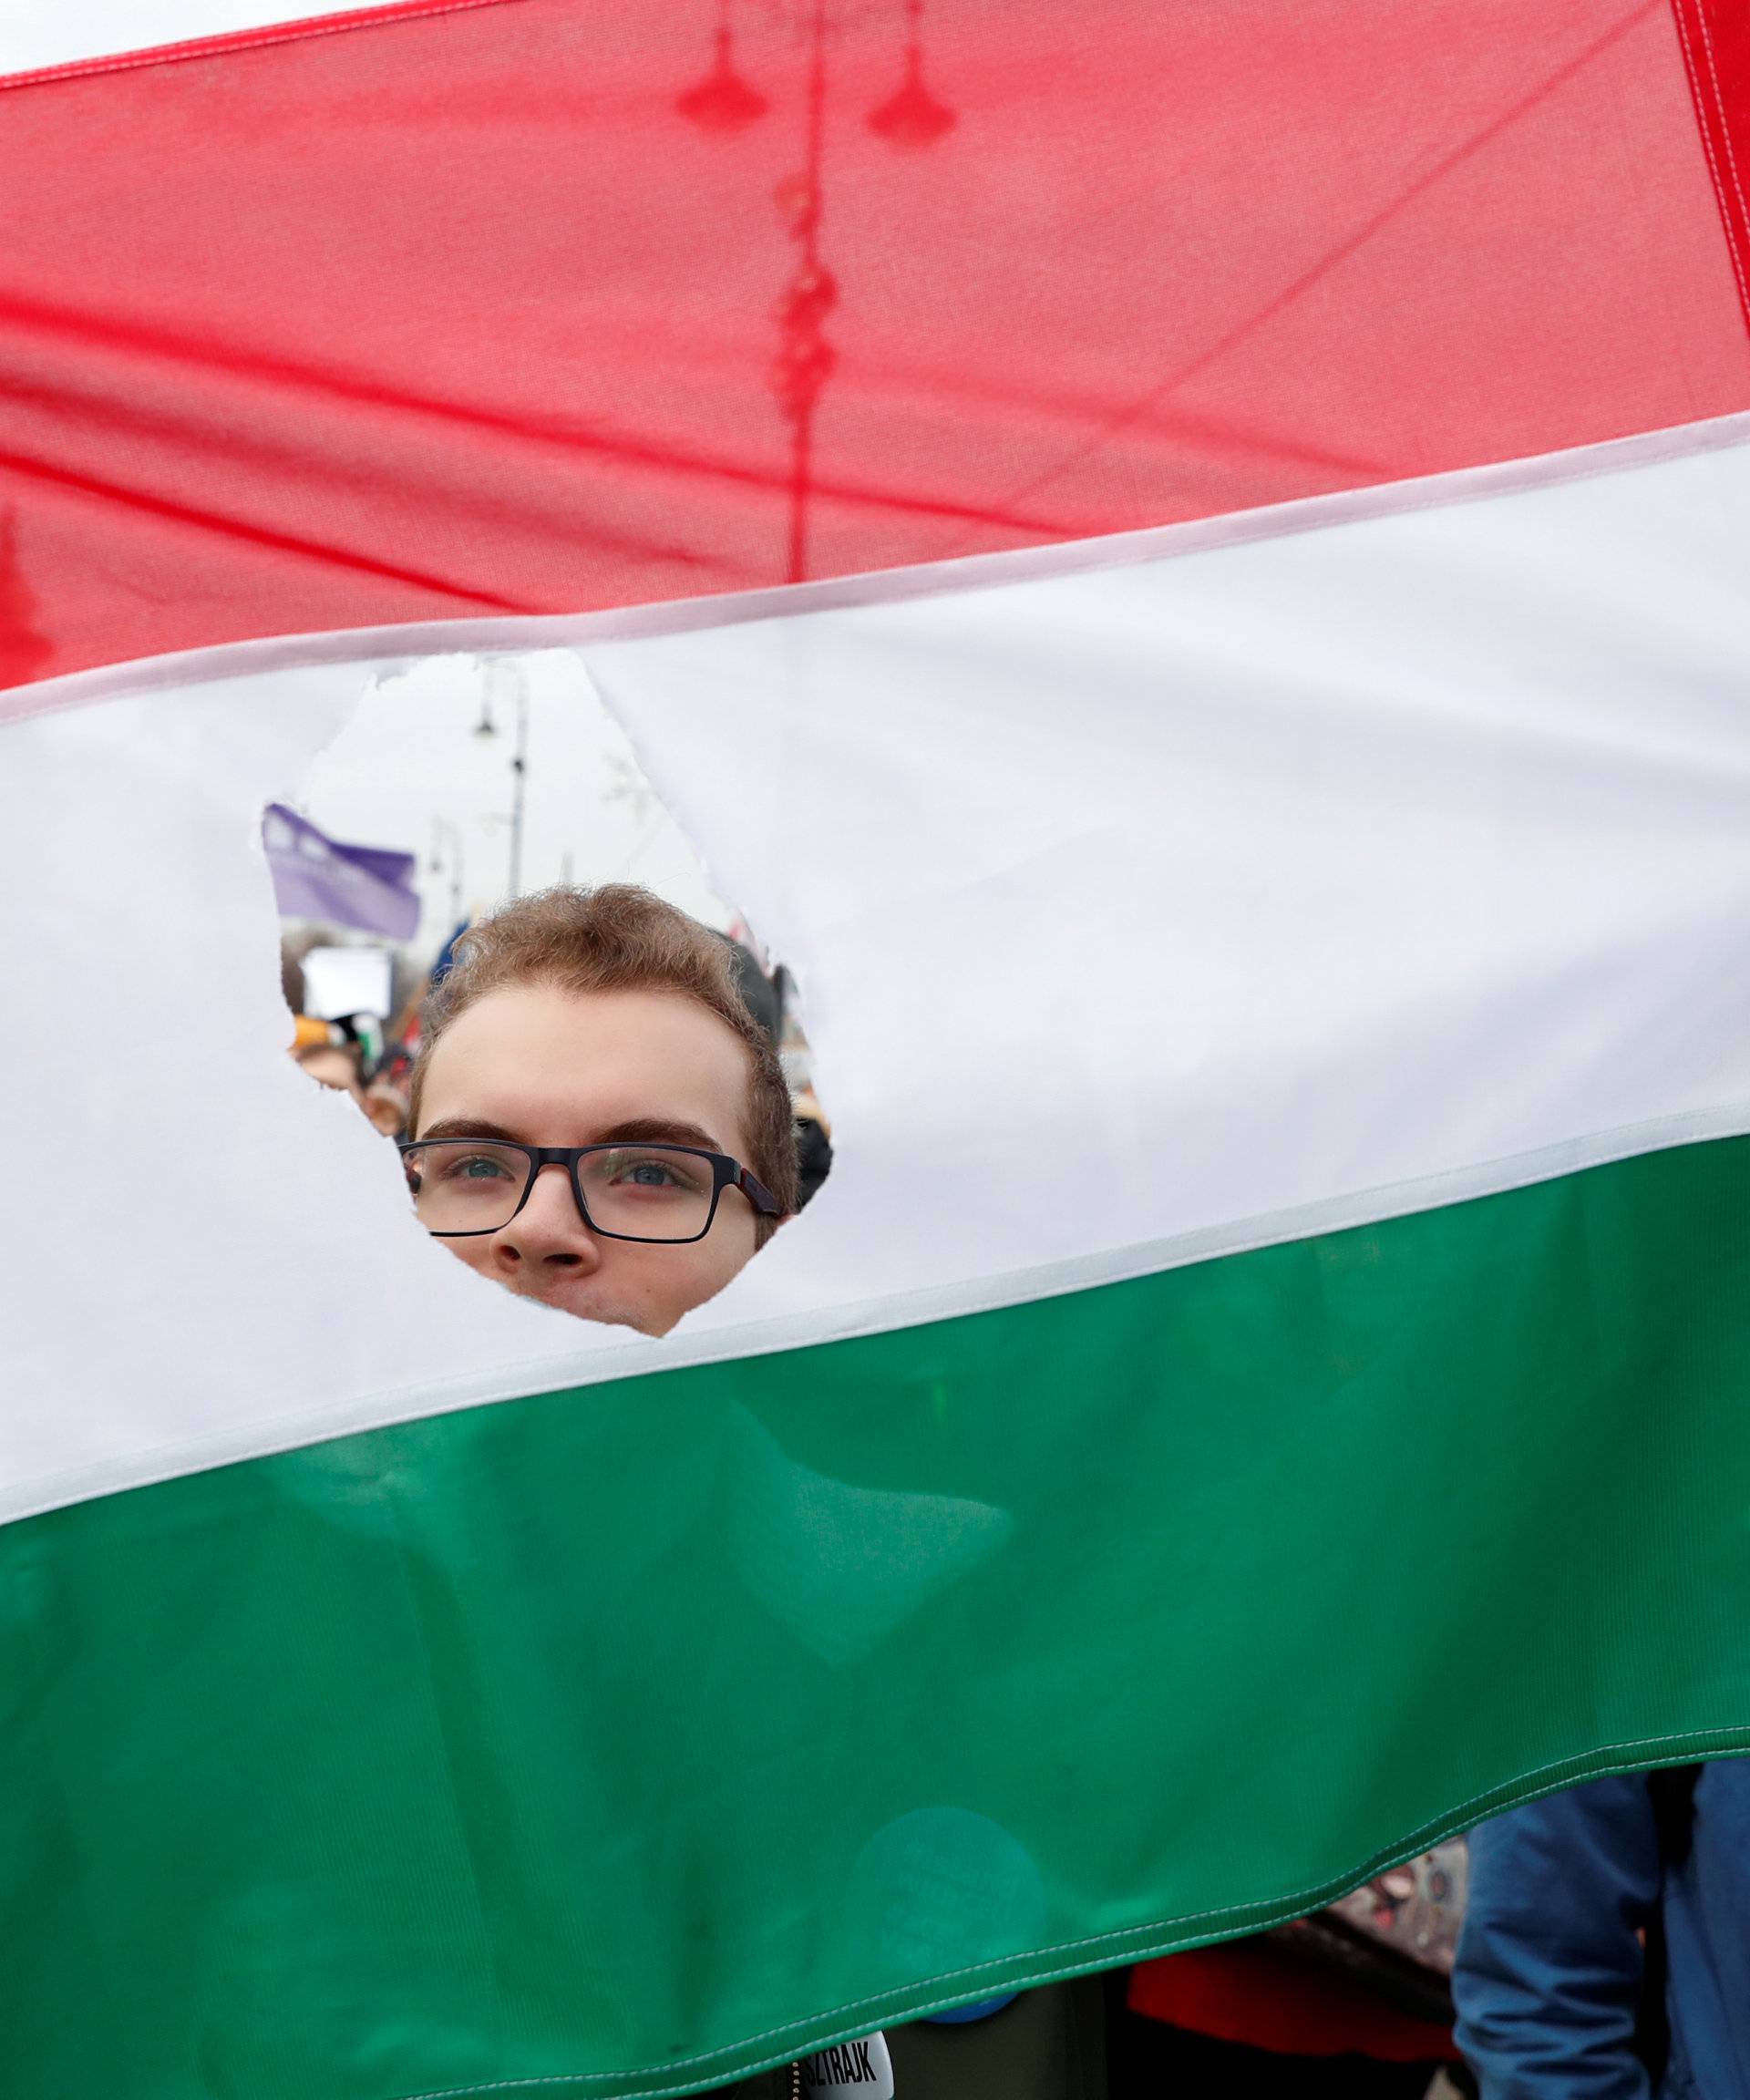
[
  {"x": 595, "y": 1119},
  {"x": 322, "y": 1051},
  {"x": 330, "y": 1061},
  {"x": 1606, "y": 1944}
]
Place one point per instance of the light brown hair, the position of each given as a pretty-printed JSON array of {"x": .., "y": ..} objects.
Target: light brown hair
[{"x": 620, "y": 938}]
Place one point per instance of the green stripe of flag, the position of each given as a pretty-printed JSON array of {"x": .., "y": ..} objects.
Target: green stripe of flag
[{"x": 634, "y": 1736}]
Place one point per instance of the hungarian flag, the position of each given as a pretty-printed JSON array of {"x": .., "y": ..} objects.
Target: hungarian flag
[{"x": 1185, "y": 567}]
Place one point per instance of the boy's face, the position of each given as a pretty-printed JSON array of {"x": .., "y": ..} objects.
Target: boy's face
[{"x": 551, "y": 1067}]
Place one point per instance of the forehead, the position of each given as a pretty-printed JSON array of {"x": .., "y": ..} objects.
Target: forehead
[{"x": 556, "y": 1067}]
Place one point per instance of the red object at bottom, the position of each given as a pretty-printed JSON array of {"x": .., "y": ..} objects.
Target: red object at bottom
[{"x": 1255, "y": 1993}]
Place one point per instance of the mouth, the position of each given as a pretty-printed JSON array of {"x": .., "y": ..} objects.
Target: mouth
[{"x": 580, "y": 1301}]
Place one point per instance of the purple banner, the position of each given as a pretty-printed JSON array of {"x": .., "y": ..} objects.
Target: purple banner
[{"x": 316, "y": 877}]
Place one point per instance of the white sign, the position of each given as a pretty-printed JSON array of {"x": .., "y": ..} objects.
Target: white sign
[
  {"x": 341, "y": 980},
  {"x": 853, "y": 2070}
]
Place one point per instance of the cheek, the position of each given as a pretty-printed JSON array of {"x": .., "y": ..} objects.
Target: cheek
[
  {"x": 726, "y": 1254},
  {"x": 693, "y": 1274},
  {"x": 476, "y": 1253}
]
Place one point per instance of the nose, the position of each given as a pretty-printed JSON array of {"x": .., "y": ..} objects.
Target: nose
[{"x": 547, "y": 1235}]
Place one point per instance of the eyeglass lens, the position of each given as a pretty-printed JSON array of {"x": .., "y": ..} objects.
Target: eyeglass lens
[{"x": 641, "y": 1191}]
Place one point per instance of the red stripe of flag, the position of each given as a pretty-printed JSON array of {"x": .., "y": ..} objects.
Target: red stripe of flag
[{"x": 568, "y": 303}]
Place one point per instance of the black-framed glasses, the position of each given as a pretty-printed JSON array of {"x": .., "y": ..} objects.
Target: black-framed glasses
[{"x": 666, "y": 1194}]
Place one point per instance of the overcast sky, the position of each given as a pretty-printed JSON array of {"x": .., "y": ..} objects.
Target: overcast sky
[{"x": 410, "y": 762}]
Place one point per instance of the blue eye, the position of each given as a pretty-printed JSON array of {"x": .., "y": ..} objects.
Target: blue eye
[
  {"x": 471, "y": 1167},
  {"x": 649, "y": 1173}
]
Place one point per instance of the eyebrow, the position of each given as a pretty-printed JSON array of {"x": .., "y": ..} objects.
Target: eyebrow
[{"x": 639, "y": 1130}]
